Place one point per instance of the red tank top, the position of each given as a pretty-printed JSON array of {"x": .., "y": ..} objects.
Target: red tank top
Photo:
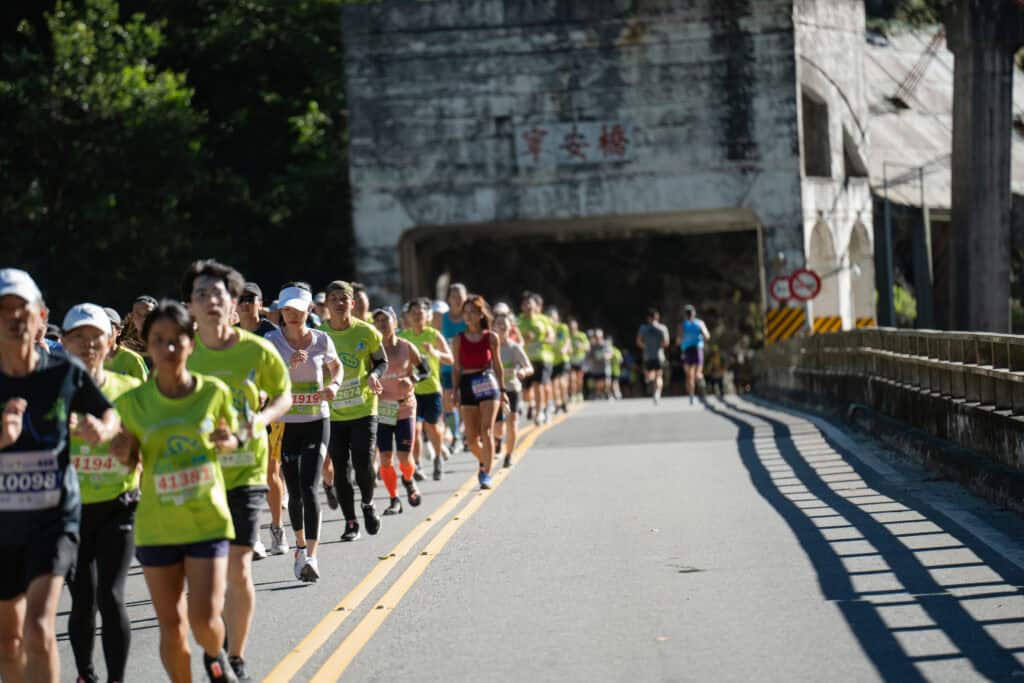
[{"x": 475, "y": 354}]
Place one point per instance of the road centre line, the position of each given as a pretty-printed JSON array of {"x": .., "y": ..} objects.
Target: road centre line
[
  {"x": 293, "y": 662},
  {"x": 342, "y": 657}
]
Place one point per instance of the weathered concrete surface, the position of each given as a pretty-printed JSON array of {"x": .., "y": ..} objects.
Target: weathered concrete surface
[{"x": 709, "y": 88}]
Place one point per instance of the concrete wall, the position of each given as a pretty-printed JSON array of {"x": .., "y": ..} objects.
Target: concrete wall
[
  {"x": 830, "y": 53},
  {"x": 438, "y": 90}
]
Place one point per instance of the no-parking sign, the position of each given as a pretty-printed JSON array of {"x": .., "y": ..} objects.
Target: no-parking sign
[
  {"x": 780, "y": 290},
  {"x": 804, "y": 284}
]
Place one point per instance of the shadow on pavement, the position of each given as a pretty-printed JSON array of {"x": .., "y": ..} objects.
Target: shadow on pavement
[{"x": 932, "y": 614}]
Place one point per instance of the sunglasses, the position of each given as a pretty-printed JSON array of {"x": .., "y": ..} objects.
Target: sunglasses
[{"x": 247, "y": 299}]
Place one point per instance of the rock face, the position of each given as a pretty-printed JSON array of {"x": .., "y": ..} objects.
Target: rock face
[{"x": 584, "y": 119}]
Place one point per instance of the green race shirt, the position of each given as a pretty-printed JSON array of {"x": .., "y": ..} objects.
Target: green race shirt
[
  {"x": 561, "y": 338},
  {"x": 354, "y": 345},
  {"x": 616, "y": 361},
  {"x": 127, "y": 362},
  {"x": 432, "y": 384},
  {"x": 183, "y": 495},
  {"x": 250, "y": 366},
  {"x": 535, "y": 330},
  {"x": 548, "y": 348},
  {"x": 580, "y": 346},
  {"x": 100, "y": 476}
]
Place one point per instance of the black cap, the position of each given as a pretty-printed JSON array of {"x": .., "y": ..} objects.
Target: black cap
[{"x": 252, "y": 288}]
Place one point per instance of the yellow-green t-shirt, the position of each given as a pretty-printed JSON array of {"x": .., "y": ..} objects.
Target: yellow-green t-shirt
[
  {"x": 580, "y": 346},
  {"x": 616, "y": 361},
  {"x": 127, "y": 362},
  {"x": 429, "y": 335},
  {"x": 355, "y": 346},
  {"x": 250, "y": 366},
  {"x": 561, "y": 356},
  {"x": 535, "y": 332},
  {"x": 100, "y": 476},
  {"x": 183, "y": 495}
]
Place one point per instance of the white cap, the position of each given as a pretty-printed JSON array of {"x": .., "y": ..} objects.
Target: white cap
[
  {"x": 87, "y": 314},
  {"x": 295, "y": 297},
  {"x": 19, "y": 283},
  {"x": 439, "y": 307},
  {"x": 502, "y": 308}
]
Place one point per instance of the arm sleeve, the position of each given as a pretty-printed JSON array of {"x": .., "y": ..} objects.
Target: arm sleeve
[{"x": 88, "y": 398}]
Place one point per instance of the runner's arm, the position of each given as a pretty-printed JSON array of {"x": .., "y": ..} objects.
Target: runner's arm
[
  {"x": 525, "y": 366},
  {"x": 419, "y": 371},
  {"x": 444, "y": 352},
  {"x": 499, "y": 370},
  {"x": 456, "y": 366}
]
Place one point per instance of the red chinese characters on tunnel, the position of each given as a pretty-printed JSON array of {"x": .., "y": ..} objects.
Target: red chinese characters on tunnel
[{"x": 559, "y": 144}]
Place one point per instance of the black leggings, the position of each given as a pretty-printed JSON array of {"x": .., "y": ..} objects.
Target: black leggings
[
  {"x": 354, "y": 441},
  {"x": 104, "y": 555},
  {"x": 302, "y": 455}
]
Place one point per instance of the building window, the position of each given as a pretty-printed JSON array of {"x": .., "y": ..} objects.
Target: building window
[
  {"x": 853, "y": 162},
  {"x": 817, "y": 148}
]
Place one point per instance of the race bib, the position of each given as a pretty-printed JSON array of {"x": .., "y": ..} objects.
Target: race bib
[
  {"x": 29, "y": 481},
  {"x": 176, "y": 486},
  {"x": 349, "y": 395},
  {"x": 307, "y": 399},
  {"x": 237, "y": 459},
  {"x": 388, "y": 412},
  {"x": 484, "y": 387},
  {"x": 99, "y": 464}
]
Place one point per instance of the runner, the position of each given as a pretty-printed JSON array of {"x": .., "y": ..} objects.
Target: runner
[
  {"x": 396, "y": 427},
  {"x": 255, "y": 373},
  {"x": 123, "y": 360},
  {"x": 39, "y": 524},
  {"x": 110, "y": 493},
  {"x": 360, "y": 303},
  {"x": 653, "y": 339},
  {"x": 429, "y": 405},
  {"x": 479, "y": 376},
  {"x": 450, "y": 323},
  {"x": 354, "y": 411},
  {"x": 311, "y": 356},
  {"x": 516, "y": 366},
  {"x": 616, "y": 369},
  {"x": 250, "y": 306},
  {"x": 599, "y": 362},
  {"x": 580, "y": 346},
  {"x": 132, "y": 333},
  {"x": 561, "y": 351},
  {"x": 537, "y": 335},
  {"x": 179, "y": 426},
  {"x": 693, "y": 334}
]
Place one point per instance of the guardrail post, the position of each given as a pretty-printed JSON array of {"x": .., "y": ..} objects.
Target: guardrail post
[
  {"x": 1017, "y": 368},
  {"x": 986, "y": 352},
  {"x": 958, "y": 374},
  {"x": 1003, "y": 386}
]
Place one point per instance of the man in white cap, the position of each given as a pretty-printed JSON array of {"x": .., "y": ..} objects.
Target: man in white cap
[{"x": 39, "y": 515}]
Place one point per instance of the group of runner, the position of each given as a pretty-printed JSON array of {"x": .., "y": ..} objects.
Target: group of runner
[{"x": 161, "y": 435}]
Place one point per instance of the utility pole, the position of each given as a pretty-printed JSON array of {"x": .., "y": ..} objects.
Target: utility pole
[{"x": 983, "y": 36}]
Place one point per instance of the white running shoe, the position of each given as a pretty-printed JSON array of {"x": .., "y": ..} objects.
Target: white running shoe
[
  {"x": 310, "y": 572},
  {"x": 278, "y": 544},
  {"x": 300, "y": 562},
  {"x": 259, "y": 551}
]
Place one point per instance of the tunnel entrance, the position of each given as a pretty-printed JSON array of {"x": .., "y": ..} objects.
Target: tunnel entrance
[{"x": 606, "y": 274}]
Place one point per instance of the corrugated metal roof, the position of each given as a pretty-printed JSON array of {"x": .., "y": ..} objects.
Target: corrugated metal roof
[{"x": 923, "y": 134}]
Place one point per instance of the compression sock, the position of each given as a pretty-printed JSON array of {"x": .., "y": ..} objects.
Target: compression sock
[
  {"x": 407, "y": 473},
  {"x": 387, "y": 473}
]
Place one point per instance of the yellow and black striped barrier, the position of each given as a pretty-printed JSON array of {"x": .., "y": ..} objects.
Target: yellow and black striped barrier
[
  {"x": 781, "y": 324},
  {"x": 826, "y": 324},
  {"x": 866, "y": 322}
]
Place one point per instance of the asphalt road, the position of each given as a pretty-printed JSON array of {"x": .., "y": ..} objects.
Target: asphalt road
[{"x": 634, "y": 542}]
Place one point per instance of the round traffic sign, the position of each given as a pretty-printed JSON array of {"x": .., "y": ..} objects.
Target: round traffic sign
[
  {"x": 804, "y": 284},
  {"x": 779, "y": 289}
]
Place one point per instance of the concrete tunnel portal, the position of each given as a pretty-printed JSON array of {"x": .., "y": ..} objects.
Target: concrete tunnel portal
[{"x": 606, "y": 271}]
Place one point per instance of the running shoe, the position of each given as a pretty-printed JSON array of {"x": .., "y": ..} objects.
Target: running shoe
[
  {"x": 278, "y": 546},
  {"x": 508, "y": 460},
  {"x": 412, "y": 492},
  {"x": 332, "y": 497},
  {"x": 259, "y": 551},
  {"x": 438, "y": 469},
  {"x": 351, "y": 531},
  {"x": 88, "y": 678},
  {"x": 300, "y": 562},
  {"x": 394, "y": 507},
  {"x": 418, "y": 474},
  {"x": 484, "y": 479},
  {"x": 238, "y": 666},
  {"x": 310, "y": 570},
  {"x": 370, "y": 519},
  {"x": 218, "y": 669}
]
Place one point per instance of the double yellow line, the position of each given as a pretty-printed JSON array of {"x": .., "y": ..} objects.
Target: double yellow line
[{"x": 340, "y": 659}]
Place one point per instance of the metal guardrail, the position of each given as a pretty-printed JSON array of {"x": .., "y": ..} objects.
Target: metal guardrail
[{"x": 982, "y": 368}]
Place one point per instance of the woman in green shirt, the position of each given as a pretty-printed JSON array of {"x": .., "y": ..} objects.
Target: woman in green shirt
[{"x": 177, "y": 426}]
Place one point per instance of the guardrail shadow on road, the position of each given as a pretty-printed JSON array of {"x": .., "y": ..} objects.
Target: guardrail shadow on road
[{"x": 926, "y": 600}]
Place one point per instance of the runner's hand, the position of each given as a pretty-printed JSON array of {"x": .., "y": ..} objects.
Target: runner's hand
[
  {"x": 405, "y": 383},
  {"x": 375, "y": 385},
  {"x": 13, "y": 412},
  {"x": 456, "y": 397},
  {"x": 431, "y": 349},
  {"x": 89, "y": 429},
  {"x": 222, "y": 437},
  {"x": 329, "y": 392},
  {"x": 298, "y": 358},
  {"x": 125, "y": 447},
  {"x": 504, "y": 404}
]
